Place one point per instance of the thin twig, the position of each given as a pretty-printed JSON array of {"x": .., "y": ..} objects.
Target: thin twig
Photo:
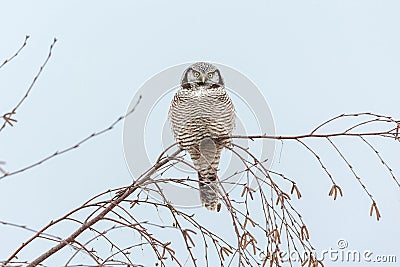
[
  {"x": 8, "y": 116},
  {"x": 109, "y": 208},
  {"x": 16, "y": 53},
  {"x": 75, "y": 146}
]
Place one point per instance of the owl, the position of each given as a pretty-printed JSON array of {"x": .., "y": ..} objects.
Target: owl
[{"x": 200, "y": 112}]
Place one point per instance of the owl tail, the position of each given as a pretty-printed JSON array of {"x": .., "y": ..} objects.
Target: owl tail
[
  {"x": 208, "y": 191},
  {"x": 207, "y": 164}
]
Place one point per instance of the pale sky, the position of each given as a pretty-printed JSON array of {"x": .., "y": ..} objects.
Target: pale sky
[{"x": 312, "y": 60}]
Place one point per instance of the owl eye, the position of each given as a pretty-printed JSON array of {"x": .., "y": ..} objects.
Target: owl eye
[
  {"x": 210, "y": 75},
  {"x": 196, "y": 74}
]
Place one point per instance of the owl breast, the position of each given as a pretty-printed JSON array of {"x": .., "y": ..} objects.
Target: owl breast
[{"x": 201, "y": 113}]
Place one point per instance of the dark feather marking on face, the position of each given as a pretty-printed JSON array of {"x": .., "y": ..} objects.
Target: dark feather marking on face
[
  {"x": 185, "y": 85},
  {"x": 185, "y": 79},
  {"x": 221, "y": 80}
]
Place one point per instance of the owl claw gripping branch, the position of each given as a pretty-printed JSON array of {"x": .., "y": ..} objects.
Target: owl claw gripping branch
[{"x": 200, "y": 112}]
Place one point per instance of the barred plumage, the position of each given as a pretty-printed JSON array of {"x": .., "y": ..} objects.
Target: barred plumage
[{"x": 201, "y": 111}]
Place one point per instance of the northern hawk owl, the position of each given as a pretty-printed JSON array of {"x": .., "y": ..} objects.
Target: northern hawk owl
[{"x": 200, "y": 112}]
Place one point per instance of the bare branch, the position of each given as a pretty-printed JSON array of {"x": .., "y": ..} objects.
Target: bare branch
[
  {"x": 75, "y": 146},
  {"x": 8, "y": 116},
  {"x": 16, "y": 53},
  {"x": 127, "y": 192}
]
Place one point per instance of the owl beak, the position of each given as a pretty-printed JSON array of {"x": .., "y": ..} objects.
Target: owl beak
[{"x": 203, "y": 79}]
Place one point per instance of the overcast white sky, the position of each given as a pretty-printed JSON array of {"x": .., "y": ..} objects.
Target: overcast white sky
[{"x": 311, "y": 59}]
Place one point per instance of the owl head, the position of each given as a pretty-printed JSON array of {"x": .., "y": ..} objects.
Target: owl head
[{"x": 202, "y": 73}]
